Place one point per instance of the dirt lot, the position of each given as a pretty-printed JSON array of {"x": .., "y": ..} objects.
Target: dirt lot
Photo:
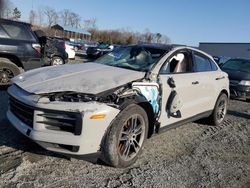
[{"x": 194, "y": 155}]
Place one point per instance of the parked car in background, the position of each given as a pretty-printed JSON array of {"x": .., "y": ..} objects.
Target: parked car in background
[
  {"x": 220, "y": 60},
  {"x": 239, "y": 76},
  {"x": 98, "y": 51},
  {"x": 110, "y": 107},
  {"x": 53, "y": 49},
  {"x": 20, "y": 50},
  {"x": 77, "y": 45},
  {"x": 84, "y": 44},
  {"x": 70, "y": 50}
]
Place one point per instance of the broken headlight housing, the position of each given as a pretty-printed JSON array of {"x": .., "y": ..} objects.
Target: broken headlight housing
[{"x": 80, "y": 97}]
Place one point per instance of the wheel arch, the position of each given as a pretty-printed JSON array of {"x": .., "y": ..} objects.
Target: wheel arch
[
  {"x": 151, "y": 116},
  {"x": 225, "y": 92},
  {"x": 14, "y": 59},
  {"x": 147, "y": 107}
]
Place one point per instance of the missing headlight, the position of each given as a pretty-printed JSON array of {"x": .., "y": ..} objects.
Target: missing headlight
[{"x": 80, "y": 97}]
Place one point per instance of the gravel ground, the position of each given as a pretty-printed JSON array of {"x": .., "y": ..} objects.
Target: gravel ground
[{"x": 193, "y": 155}]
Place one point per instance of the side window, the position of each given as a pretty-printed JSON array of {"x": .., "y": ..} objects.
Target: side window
[
  {"x": 17, "y": 31},
  {"x": 201, "y": 63},
  {"x": 2, "y": 33},
  {"x": 178, "y": 63}
]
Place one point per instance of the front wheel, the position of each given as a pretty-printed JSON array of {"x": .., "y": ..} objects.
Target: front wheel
[
  {"x": 124, "y": 140},
  {"x": 220, "y": 110}
]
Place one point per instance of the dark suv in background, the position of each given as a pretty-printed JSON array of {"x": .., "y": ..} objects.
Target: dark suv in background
[
  {"x": 19, "y": 50},
  {"x": 52, "y": 48}
]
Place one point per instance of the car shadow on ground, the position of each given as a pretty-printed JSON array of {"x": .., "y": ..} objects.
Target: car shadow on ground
[{"x": 239, "y": 114}]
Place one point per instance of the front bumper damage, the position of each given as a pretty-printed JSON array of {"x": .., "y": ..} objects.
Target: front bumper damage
[{"x": 60, "y": 126}]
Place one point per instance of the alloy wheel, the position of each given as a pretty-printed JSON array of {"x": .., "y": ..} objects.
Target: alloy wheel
[
  {"x": 5, "y": 75},
  {"x": 222, "y": 110},
  {"x": 131, "y": 137},
  {"x": 57, "y": 61}
]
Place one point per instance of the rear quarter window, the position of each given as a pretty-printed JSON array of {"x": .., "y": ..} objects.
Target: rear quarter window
[
  {"x": 16, "y": 31},
  {"x": 213, "y": 66},
  {"x": 201, "y": 63}
]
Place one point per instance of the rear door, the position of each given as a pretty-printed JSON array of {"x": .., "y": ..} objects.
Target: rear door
[{"x": 210, "y": 82}]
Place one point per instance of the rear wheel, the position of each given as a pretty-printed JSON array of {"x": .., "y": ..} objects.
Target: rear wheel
[
  {"x": 8, "y": 70},
  {"x": 57, "y": 61},
  {"x": 220, "y": 110},
  {"x": 124, "y": 140}
]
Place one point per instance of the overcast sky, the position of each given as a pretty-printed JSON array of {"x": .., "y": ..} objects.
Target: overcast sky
[{"x": 183, "y": 21}]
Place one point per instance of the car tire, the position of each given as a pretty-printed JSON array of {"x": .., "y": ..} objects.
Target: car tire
[
  {"x": 8, "y": 70},
  {"x": 123, "y": 142},
  {"x": 220, "y": 110},
  {"x": 57, "y": 61}
]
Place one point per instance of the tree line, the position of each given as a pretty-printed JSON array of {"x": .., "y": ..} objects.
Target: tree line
[{"x": 45, "y": 17}]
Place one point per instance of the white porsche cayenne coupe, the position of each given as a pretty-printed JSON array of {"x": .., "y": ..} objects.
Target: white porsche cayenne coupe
[{"x": 111, "y": 106}]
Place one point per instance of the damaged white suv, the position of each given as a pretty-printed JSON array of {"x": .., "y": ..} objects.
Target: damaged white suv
[{"x": 110, "y": 107}]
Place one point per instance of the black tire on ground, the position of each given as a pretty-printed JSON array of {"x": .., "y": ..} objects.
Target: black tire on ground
[
  {"x": 248, "y": 100},
  {"x": 57, "y": 61},
  {"x": 219, "y": 111},
  {"x": 8, "y": 70},
  {"x": 122, "y": 143}
]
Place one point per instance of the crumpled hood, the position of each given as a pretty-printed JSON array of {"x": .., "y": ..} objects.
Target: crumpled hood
[{"x": 92, "y": 78}]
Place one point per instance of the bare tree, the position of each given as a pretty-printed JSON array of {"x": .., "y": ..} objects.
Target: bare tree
[
  {"x": 165, "y": 39},
  {"x": 6, "y": 8},
  {"x": 65, "y": 15},
  {"x": 74, "y": 20},
  {"x": 90, "y": 24},
  {"x": 158, "y": 37},
  {"x": 40, "y": 16},
  {"x": 2, "y": 5},
  {"x": 32, "y": 17},
  {"x": 52, "y": 16}
]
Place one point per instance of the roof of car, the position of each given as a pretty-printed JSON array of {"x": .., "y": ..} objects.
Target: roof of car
[
  {"x": 14, "y": 21},
  {"x": 167, "y": 47}
]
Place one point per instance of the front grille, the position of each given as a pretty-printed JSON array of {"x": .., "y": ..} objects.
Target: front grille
[
  {"x": 22, "y": 111},
  {"x": 62, "y": 121}
]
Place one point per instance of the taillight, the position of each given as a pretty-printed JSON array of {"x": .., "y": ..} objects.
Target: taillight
[{"x": 37, "y": 48}]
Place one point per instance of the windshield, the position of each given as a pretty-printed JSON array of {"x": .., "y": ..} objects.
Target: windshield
[
  {"x": 237, "y": 65},
  {"x": 132, "y": 57}
]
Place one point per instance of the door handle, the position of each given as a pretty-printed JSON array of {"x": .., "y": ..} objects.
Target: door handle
[
  {"x": 219, "y": 78},
  {"x": 195, "y": 83}
]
